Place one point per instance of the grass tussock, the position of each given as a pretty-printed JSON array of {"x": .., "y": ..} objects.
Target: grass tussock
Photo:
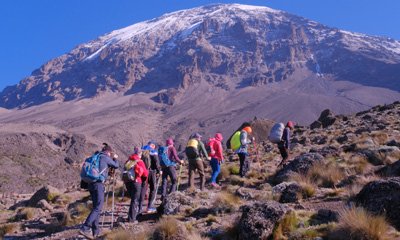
[
  {"x": 76, "y": 215},
  {"x": 307, "y": 185},
  {"x": 122, "y": 234},
  {"x": 226, "y": 202},
  {"x": 234, "y": 169},
  {"x": 326, "y": 174},
  {"x": 8, "y": 228},
  {"x": 27, "y": 213},
  {"x": 357, "y": 223},
  {"x": 167, "y": 228},
  {"x": 379, "y": 138},
  {"x": 286, "y": 226}
]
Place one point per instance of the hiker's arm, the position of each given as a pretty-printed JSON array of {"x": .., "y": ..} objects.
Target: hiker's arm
[
  {"x": 287, "y": 139},
  {"x": 220, "y": 154},
  {"x": 175, "y": 156},
  {"x": 203, "y": 150},
  {"x": 243, "y": 139}
]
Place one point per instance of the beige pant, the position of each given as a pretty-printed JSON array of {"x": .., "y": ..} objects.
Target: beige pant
[{"x": 196, "y": 164}]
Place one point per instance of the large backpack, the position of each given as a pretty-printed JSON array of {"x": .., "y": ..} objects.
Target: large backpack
[
  {"x": 90, "y": 171},
  {"x": 210, "y": 147},
  {"x": 192, "y": 149},
  {"x": 276, "y": 133},
  {"x": 128, "y": 175},
  {"x": 235, "y": 141},
  {"x": 164, "y": 159}
]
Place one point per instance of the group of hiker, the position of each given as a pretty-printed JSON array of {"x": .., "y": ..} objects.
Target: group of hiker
[{"x": 149, "y": 164}]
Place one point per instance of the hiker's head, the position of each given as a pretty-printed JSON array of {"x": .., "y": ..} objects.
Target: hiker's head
[
  {"x": 107, "y": 149},
  {"x": 290, "y": 124},
  {"x": 134, "y": 157},
  {"x": 137, "y": 150},
  {"x": 197, "y": 136},
  {"x": 248, "y": 130},
  {"x": 218, "y": 137},
  {"x": 169, "y": 142},
  {"x": 152, "y": 144}
]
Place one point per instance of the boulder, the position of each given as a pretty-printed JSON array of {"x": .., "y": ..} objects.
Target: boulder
[
  {"x": 173, "y": 202},
  {"x": 328, "y": 151},
  {"x": 382, "y": 155},
  {"x": 47, "y": 193},
  {"x": 327, "y": 118},
  {"x": 258, "y": 220},
  {"x": 391, "y": 170},
  {"x": 301, "y": 164},
  {"x": 44, "y": 205},
  {"x": 324, "y": 216},
  {"x": 291, "y": 194},
  {"x": 382, "y": 197},
  {"x": 316, "y": 125}
]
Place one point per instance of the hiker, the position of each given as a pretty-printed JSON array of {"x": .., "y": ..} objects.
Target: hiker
[
  {"x": 243, "y": 151},
  {"x": 284, "y": 144},
  {"x": 195, "y": 152},
  {"x": 216, "y": 157},
  {"x": 168, "y": 160},
  {"x": 107, "y": 159},
  {"x": 151, "y": 160},
  {"x": 136, "y": 185}
]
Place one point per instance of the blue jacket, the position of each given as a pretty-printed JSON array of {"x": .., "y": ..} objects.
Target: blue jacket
[{"x": 105, "y": 162}]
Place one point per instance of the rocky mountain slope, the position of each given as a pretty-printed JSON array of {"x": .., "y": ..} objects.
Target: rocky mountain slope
[{"x": 342, "y": 182}]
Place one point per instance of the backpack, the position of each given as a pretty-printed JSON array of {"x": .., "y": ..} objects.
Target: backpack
[
  {"x": 209, "y": 147},
  {"x": 128, "y": 175},
  {"x": 146, "y": 158},
  {"x": 90, "y": 171},
  {"x": 164, "y": 159},
  {"x": 192, "y": 149},
  {"x": 276, "y": 133},
  {"x": 235, "y": 141}
]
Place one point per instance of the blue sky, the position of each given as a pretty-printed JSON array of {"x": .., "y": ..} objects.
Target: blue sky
[{"x": 33, "y": 32}]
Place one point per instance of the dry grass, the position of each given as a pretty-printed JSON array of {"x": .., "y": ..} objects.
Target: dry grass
[
  {"x": 357, "y": 223},
  {"x": 168, "y": 228},
  {"x": 326, "y": 174},
  {"x": 286, "y": 226},
  {"x": 307, "y": 185},
  {"x": 379, "y": 138},
  {"x": 234, "y": 169},
  {"x": 7, "y": 229},
  {"x": 226, "y": 202},
  {"x": 122, "y": 234},
  {"x": 27, "y": 213},
  {"x": 76, "y": 215}
]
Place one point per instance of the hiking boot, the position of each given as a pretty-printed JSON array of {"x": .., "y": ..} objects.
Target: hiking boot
[
  {"x": 87, "y": 234},
  {"x": 216, "y": 186},
  {"x": 151, "y": 210}
]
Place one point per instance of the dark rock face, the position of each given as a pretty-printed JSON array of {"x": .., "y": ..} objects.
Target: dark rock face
[
  {"x": 47, "y": 193},
  {"x": 327, "y": 118},
  {"x": 291, "y": 194},
  {"x": 328, "y": 151},
  {"x": 382, "y": 197},
  {"x": 173, "y": 202},
  {"x": 258, "y": 220},
  {"x": 391, "y": 170},
  {"x": 324, "y": 216},
  {"x": 300, "y": 164},
  {"x": 315, "y": 125}
]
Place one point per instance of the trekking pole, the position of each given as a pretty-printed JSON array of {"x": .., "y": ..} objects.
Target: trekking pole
[
  {"x": 113, "y": 203},
  {"x": 105, "y": 208},
  {"x": 179, "y": 177}
]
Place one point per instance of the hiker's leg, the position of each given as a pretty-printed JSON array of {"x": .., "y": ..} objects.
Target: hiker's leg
[
  {"x": 164, "y": 184},
  {"x": 284, "y": 154},
  {"x": 152, "y": 185},
  {"x": 242, "y": 157},
  {"x": 200, "y": 169},
  {"x": 90, "y": 219},
  {"x": 192, "y": 169},
  {"x": 246, "y": 165},
  {"x": 143, "y": 192},
  {"x": 215, "y": 170},
  {"x": 172, "y": 172},
  {"x": 98, "y": 202},
  {"x": 134, "y": 206}
]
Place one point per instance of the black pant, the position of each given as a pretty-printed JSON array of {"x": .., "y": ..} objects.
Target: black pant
[
  {"x": 152, "y": 185},
  {"x": 244, "y": 164},
  {"x": 97, "y": 194},
  {"x": 135, "y": 190},
  {"x": 284, "y": 152},
  {"x": 171, "y": 173},
  {"x": 142, "y": 195}
]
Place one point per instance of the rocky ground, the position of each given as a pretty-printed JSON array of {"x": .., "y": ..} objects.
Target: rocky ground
[{"x": 342, "y": 182}]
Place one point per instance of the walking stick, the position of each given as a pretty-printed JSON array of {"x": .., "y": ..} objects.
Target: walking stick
[
  {"x": 113, "y": 203},
  {"x": 179, "y": 177},
  {"x": 104, "y": 212}
]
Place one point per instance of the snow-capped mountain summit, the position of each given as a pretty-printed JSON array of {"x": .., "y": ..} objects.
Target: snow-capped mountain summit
[{"x": 226, "y": 46}]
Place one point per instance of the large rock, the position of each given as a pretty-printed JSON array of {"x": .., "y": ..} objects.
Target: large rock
[
  {"x": 391, "y": 170},
  {"x": 301, "y": 164},
  {"x": 291, "y": 194},
  {"x": 173, "y": 202},
  {"x": 382, "y": 197},
  {"x": 47, "y": 193},
  {"x": 327, "y": 118},
  {"x": 382, "y": 155},
  {"x": 258, "y": 220}
]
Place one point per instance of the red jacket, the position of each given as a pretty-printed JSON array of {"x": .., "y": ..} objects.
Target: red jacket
[
  {"x": 141, "y": 172},
  {"x": 216, "y": 149}
]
